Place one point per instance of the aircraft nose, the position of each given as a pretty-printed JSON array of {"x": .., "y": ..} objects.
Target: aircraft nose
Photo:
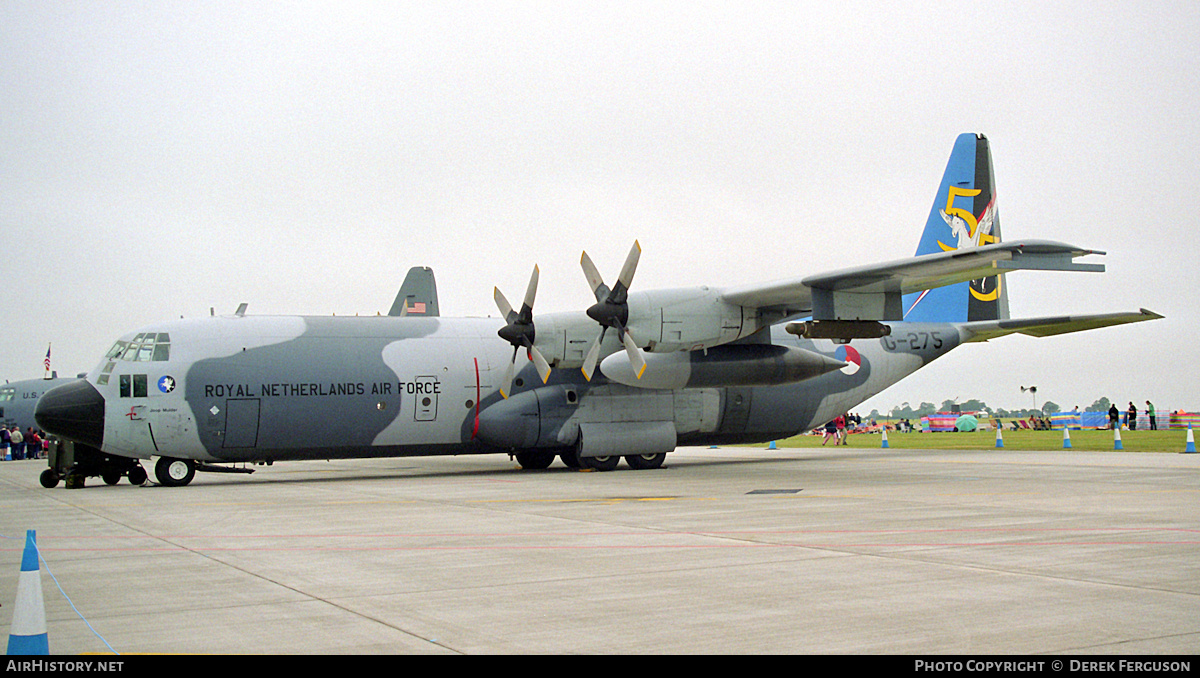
[{"x": 74, "y": 411}]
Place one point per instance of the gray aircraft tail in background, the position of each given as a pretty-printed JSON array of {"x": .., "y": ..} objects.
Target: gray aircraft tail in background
[{"x": 418, "y": 294}]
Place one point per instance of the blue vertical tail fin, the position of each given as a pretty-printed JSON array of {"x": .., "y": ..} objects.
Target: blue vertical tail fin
[{"x": 964, "y": 214}]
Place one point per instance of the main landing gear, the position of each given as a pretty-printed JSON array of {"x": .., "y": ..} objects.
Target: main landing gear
[
  {"x": 171, "y": 472},
  {"x": 538, "y": 460}
]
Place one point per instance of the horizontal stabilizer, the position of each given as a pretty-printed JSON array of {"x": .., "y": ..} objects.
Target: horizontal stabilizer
[{"x": 984, "y": 330}]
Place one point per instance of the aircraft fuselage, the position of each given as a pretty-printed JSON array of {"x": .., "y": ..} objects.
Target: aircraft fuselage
[{"x": 273, "y": 388}]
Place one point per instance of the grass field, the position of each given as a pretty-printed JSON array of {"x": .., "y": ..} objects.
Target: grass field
[{"x": 1173, "y": 440}]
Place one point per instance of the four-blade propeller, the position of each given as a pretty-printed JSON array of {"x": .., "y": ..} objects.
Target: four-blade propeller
[
  {"x": 519, "y": 331},
  {"x": 612, "y": 310}
]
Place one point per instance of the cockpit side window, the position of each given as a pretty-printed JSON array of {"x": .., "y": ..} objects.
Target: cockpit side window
[{"x": 117, "y": 349}]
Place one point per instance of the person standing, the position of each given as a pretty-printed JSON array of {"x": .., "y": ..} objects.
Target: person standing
[
  {"x": 1132, "y": 417},
  {"x": 1114, "y": 417},
  {"x": 1150, "y": 413},
  {"x": 18, "y": 444},
  {"x": 33, "y": 444}
]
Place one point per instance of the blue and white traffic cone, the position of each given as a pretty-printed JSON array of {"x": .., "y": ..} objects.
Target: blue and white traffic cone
[
  {"x": 28, "y": 634},
  {"x": 885, "y": 442},
  {"x": 1191, "y": 442},
  {"x": 772, "y": 446},
  {"x": 1066, "y": 438},
  {"x": 1000, "y": 436},
  {"x": 1117, "y": 445}
]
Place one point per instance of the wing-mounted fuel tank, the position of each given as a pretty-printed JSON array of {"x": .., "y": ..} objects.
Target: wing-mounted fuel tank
[{"x": 731, "y": 365}]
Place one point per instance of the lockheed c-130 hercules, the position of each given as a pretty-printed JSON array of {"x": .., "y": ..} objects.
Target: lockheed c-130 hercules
[{"x": 637, "y": 374}]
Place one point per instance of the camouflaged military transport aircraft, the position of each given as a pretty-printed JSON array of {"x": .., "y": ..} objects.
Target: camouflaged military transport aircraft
[{"x": 695, "y": 366}]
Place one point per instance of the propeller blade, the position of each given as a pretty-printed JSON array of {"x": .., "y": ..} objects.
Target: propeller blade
[
  {"x": 506, "y": 308},
  {"x": 506, "y": 385},
  {"x": 539, "y": 361},
  {"x": 593, "y": 356},
  {"x": 630, "y": 267},
  {"x": 531, "y": 291},
  {"x": 595, "y": 282},
  {"x": 636, "y": 360}
]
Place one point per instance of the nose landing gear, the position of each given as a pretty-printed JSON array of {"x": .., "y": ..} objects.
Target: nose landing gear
[{"x": 74, "y": 463}]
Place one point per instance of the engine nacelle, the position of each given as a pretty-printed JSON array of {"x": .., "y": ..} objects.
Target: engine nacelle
[
  {"x": 661, "y": 321},
  {"x": 687, "y": 319},
  {"x": 735, "y": 365}
]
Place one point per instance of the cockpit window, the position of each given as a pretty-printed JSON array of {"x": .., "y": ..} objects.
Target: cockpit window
[
  {"x": 145, "y": 347},
  {"x": 117, "y": 349}
]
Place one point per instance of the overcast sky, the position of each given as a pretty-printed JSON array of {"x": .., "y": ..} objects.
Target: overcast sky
[{"x": 158, "y": 159}]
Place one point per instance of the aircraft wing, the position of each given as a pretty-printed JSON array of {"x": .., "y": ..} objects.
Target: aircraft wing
[
  {"x": 873, "y": 292},
  {"x": 983, "y": 330}
]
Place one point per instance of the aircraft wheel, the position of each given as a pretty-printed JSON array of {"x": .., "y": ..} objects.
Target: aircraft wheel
[
  {"x": 535, "y": 461},
  {"x": 600, "y": 463},
  {"x": 111, "y": 477},
  {"x": 645, "y": 461},
  {"x": 137, "y": 475},
  {"x": 49, "y": 478},
  {"x": 174, "y": 472},
  {"x": 570, "y": 458}
]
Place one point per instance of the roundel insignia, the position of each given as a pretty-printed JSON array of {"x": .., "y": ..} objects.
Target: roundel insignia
[
  {"x": 166, "y": 384},
  {"x": 849, "y": 355}
]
